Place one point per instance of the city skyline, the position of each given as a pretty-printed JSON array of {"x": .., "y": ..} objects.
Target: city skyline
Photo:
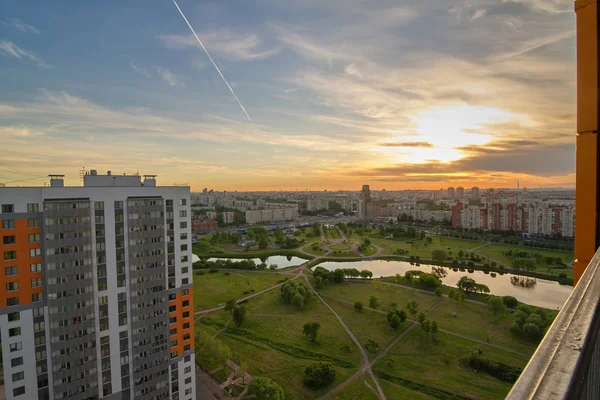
[{"x": 403, "y": 96}]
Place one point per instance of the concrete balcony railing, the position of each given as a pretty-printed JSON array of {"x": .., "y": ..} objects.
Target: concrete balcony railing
[{"x": 566, "y": 364}]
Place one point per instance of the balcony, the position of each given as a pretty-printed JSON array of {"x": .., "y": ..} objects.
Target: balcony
[{"x": 566, "y": 364}]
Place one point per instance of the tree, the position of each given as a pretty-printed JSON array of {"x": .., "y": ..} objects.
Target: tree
[
  {"x": 265, "y": 388},
  {"x": 438, "y": 292},
  {"x": 395, "y": 317},
  {"x": 461, "y": 253},
  {"x": 510, "y": 302},
  {"x": 493, "y": 264},
  {"x": 439, "y": 255},
  {"x": 429, "y": 239},
  {"x": 412, "y": 307},
  {"x": 358, "y": 306},
  {"x": 319, "y": 282},
  {"x": 365, "y": 274},
  {"x": 263, "y": 243},
  {"x": 426, "y": 325},
  {"x": 279, "y": 236},
  {"x": 422, "y": 318},
  {"x": 311, "y": 330},
  {"x": 496, "y": 305},
  {"x": 230, "y": 305},
  {"x": 297, "y": 300},
  {"x": 466, "y": 284},
  {"x": 239, "y": 315},
  {"x": 373, "y": 302},
  {"x": 319, "y": 375},
  {"x": 211, "y": 353},
  {"x": 434, "y": 328}
]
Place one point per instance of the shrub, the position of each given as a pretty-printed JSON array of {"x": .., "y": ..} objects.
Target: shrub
[
  {"x": 371, "y": 346},
  {"x": 319, "y": 375},
  {"x": 213, "y": 270},
  {"x": 265, "y": 388},
  {"x": 496, "y": 369},
  {"x": 358, "y": 306},
  {"x": 373, "y": 302},
  {"x": 510, "y": 301}
]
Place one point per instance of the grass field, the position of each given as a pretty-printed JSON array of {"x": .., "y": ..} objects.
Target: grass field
[
  {"x": 350, "y": 254},
  {"x": 308, "y": 249},
  {"x": 340, "y": 247},
  {"x": 214, "y": 289},
  {"x": 397, "y": 392},
  {"x": 332, "y": 233},
  {"x": 436, "y": 364},
  {"x": 358, "y": 390}
]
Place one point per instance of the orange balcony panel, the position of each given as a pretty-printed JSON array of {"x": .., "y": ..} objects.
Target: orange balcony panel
[
  {"x": 587, "y": 65},
  {"x": 579, "y": 268},
  {"x": 586, "y": 179}
]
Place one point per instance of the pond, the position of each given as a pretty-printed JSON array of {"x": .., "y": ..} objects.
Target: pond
[
  {"x": 538, "y": 292},
  {"x": 280, "y": 261}
]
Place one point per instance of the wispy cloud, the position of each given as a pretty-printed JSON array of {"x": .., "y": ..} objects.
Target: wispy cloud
[
  {"x": 407, "y": 144},
  {"x": 20, "y": 25},
  {"x": 238, "y": 47},
  {"x": 18, "y": 131},
  {"x": 534, "y": 44},
  {"x": 168, "y": 76},
  {"x": 478, "y": 14},
  {"x": 549, "y": 6},
  {"x": 8, "y": 48},
  {"x": 139, "y": 70}
]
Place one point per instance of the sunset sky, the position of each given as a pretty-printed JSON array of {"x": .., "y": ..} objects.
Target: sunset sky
[{"x": 395, "y": 94}]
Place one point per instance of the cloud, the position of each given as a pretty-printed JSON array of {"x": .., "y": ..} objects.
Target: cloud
[
  {"x": 535, "y": 43},
  {"x": 548, "y": 6},
  {"x": 20, "y": 25},
  {"x": 18, "y": 131},
  {"x": 225, "y": 43},
  {"x": 140, "y": 71},
  {"x": 478, "y": 14},
  {"x": 168, "y": 76},
  {"x": 8, "y": 48},
  {"x": 408, "y": 144}
]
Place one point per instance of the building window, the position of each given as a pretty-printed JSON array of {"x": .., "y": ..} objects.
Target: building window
[
  {"x": 18, "y": 391},
  {"x": 7, "y": 240},
  {"x": 35, "y": 267},
  {"x": 118, "y": 205},
  {"x": 36, "y": 297},
  {"x": 183, "y": 224},
  {"x": 182, "y": 202},
  {"x": 33, "y": 222},
  {"x": 184, "y": 247},
  {"x": 183, "y": 236},
  {"x": 187, "y": 370},
  {"x": 10, "y": 271},
  {"x": 99, "y": 205},
  {"x": 34, "y": 238},
  {"x": 15, "y": 362},
  {"x": 35, "y": 252},
  {"x": 183, "y": 213},
  {"x": 17, "y": 346},
  {"x": 186, "y": 314},
  {"x": 8, "y": 224},
  {"x": 185, "y": 292},
  {"x": 12, "y": 301},
  {"x": 186, "y": 325},
  {"x": 184, "y": 258},
  {"x": 185, "y": 281},
  {"x": 18, "y": 376},
  {"x": 12, "y": 332},
  {"x": 39, "y": 326},
  {"x": 10, "y": 255},
  {"x": 15, "y": 316},
  {"x": 33, "y": 207},
  {"x": 36, "y": 282},
  {"x": 12, "y": 286},
  {"x": 186, "y": 303},
  {"x": 8, "y": 208}
]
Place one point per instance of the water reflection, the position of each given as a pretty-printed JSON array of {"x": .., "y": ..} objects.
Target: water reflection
[
  {"x": 542, "y": 293},
  {"x": 280, "y": 261}
]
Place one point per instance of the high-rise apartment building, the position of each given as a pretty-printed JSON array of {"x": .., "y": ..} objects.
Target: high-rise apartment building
[
  {"x": 475, "y": 193},
  {"x": 451, "y": 193},
  {"x": 460, "y": 192},
  {"x": 96, "y": 290}
]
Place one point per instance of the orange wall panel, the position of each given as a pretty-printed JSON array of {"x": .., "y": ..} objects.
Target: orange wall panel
[
  {"x": 587, "y": 65},
  {"x": 181, "y": 332},
  {"x": 23, "y": 263}
]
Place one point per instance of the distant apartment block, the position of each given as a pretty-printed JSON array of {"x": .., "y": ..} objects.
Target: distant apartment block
[
  {"x": 533, "y": 218},
  {"x": 271, "y": 215},
  {"x": 96, "y": 290}
]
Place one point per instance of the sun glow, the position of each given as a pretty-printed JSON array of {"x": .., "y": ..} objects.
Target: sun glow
[{"x": 449, "y": 128}]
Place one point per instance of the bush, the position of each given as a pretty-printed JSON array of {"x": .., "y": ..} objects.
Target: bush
[
  {"x": 496, "y": 369},
  {"x": 213, "y": 270},
  {"x": 373, "y": 302},
  {"x": 265, "y": 388},
  {"x": 438, "y": 292},
  {"x": 371, "y": 346},
  {"x": 227, "y": 273},
  {"x": 319, "y": 375},
  {"x": 510, "y": 301},
  {"x": 358, "y": 306}
]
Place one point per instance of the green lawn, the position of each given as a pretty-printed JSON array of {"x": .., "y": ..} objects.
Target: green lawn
[
  {"x": 370, "y": 251},
  {"x": 308, "y": 249},
  {"x": 332, "y": 233},
  {"x": 397, "y": 392},
  {"x": 386, "y": 295},
  {"x": 340, "y": 247},
  {"x": 343, "y": 254},
  {"x": 358, "y": 390},
  {"x": 366, "y": 324},
  {"x": 436, "y": 364},
  {"x": 214, "y": 289}
]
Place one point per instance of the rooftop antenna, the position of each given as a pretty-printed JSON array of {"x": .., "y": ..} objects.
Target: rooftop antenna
[{"x": 82, "y": 173}]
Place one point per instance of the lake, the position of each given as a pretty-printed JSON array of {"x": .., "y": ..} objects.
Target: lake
[
  {"x": 543, "y": 293},
  {"x": 280, "y": 261}
]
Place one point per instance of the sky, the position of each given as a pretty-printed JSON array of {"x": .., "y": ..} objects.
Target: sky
[{"x": 338, "y": 93}]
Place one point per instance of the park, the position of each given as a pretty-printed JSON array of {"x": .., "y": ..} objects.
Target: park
[{"x": 305, "y": 332}]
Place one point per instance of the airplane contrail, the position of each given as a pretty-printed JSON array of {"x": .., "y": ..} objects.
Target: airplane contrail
[{"x": 212, "y": 61}]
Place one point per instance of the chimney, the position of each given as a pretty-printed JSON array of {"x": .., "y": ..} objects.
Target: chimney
[{"x": 57, "y": 180}]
